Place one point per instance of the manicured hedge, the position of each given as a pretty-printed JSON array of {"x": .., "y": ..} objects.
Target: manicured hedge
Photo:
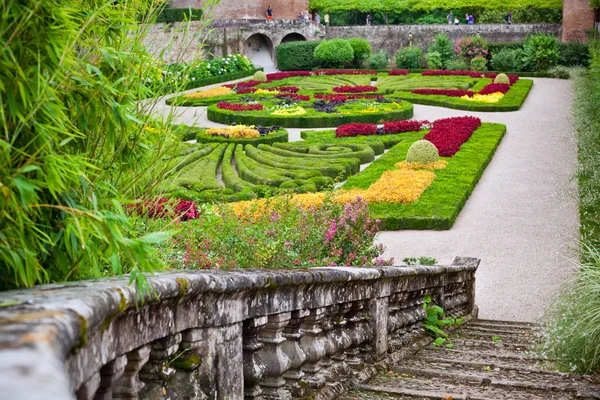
[
  {"x": 439, "y": 206},
  {"x": 362, "y": 152},
  {"x": 322, "y": 121},
  {"x": 296, "y": 56},
  {"x": 279, "y": 136},
  {"x": 377, "y": 142},
  {"x": 512, "y": 101}
]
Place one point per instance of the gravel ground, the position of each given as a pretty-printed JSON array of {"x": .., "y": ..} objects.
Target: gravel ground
[{"x": 522, "y": 219}]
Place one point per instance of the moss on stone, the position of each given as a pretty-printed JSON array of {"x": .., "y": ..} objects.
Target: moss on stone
[
  {"x": 184, "y": 286},
  {"x": 120, "y": 309}
]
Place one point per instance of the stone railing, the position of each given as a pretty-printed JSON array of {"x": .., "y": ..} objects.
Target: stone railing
[{"x": 220, "y": 334}]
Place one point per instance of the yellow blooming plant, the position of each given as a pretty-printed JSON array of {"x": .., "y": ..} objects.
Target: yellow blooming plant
[
  {"x": 264, "y": 91},
  {"x": 485, "y": 98},
  {"x": 235, "y": 132},
  {"x": 417, "y": 165},
  {"x": 290, "y": 111},
  {"x": 220, "y": 91}
]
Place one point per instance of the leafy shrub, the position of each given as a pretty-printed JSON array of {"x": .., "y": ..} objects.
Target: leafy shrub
[
  {"x": 168, "y": 15},
  {"x": 434, "y": 60},
  {"x": 362, "y": 50},
  {"x": 409, "y": 58},
  {"x": 479, "y": 64},
  {"x": 505, "y": 60},
  {"x": 456, "y": 64},
  {"x": 502, "y": 78},
  {"x": 560, "y": 72},
  {"x": 541, "y": 52},
  {"x": 444, "y": 46},
  {"x": 334, "y": 53},
  {"x": 422, "y": 151},
  {"x": 259, "y": 76},
  {"x": 574, "y": 54},
  {"x": 379, "y": 60},
  {"x": 471, "y": 47},
  {"x": 294, "y": 56}
]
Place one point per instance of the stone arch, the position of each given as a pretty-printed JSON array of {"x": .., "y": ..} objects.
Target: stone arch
[
  {"x": 259, "y": 48},
  {"x": 293, "y": 37}
]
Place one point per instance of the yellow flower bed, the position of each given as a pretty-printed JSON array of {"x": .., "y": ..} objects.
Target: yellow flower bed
[
  {"x": 235, "y": 132},
  {"x": 264, "y": 91},
  {"x": 418, "y": 165},
  {"x": 254, "y": 209},
  {"x": 384, "y": 107},
  {"x": 220, "y": 91},
  {"x": 485, "y": 98},
  {"x": 290, "y": 111}
]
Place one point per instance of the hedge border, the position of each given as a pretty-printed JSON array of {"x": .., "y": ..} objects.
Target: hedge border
[
  {"x": 322, "y": 121},
  {"x": 279, "y": 136}
]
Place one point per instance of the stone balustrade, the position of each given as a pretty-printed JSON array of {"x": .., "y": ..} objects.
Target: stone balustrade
[{"x": 277, "y": 334}]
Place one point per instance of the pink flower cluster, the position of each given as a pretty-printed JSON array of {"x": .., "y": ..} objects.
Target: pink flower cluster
[
  {"x": 344, "y": 72},
  {"x": 177, "y": 209},
  {"x": 495, "y": 88},
  {"x": 345, "y": 97},
  {"x": 242, "y": 84},
  {"x": 444, "y": 92},
  {"x": 355, "y": 129},
  {"x": 449, "y": 134},
  {"x": 292, "y": 96},
  {"x": 398, "y": 72},
  {"x": 225, "y": 105},
  {"x": 276, "y": 76},
  {"x": 404, "y": 126},
  {"x": 354, "y": 89}
]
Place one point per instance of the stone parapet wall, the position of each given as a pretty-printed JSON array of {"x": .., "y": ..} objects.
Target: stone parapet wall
[{"x": 219, "y": 334}]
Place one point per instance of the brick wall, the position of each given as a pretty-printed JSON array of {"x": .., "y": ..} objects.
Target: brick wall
[
  {"x": 227, "y": 9},
  {"x": 578, "y": 18}
]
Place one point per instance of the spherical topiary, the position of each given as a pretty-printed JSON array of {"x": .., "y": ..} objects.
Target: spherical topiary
[
  {"x": 259, "y": 76},
  {"x": 334, "y": 53},
  {"x": 422, "y": 151},
  {"x": 502, "y": 78}
]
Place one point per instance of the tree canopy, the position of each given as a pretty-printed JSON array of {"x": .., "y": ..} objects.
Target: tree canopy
[{"x": 426, "y": 5}]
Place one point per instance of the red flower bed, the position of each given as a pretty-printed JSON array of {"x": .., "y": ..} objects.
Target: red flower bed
[
  {"x": 495, "y": 88},
  {"x": 354, "y": 89},
  {"x": 398, "y": 72},
  {"x": 276, "y": 76},
  {"x": 245, "y": 90},
  {"x": 344, "y": 72},
  {"x": 287, "y": 89},
  {"x": 437, "y": 72},
  {"x": 449, "y": 134},
  {"x": 292, "y": 96},
  {"x": 180, "y": 210},
  {"x": 242, "y": 84},
  {"x": 225, "y": 105},
  {"x": 355, "y": 129},
  {"x": 344, "y": 97},
  {"x": 404, "y": 126},
  {"x": 444, "y": 92}
]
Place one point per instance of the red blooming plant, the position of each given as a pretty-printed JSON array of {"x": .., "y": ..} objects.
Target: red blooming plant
[
  {"x": 345, "y": 97},
  {"x": 246, "y": 84},
  {"x": 495, "y": 88},
  {"x": 512, "y": 78},
  {"x": 287, "y": 89},
  {"x": 404, "y": 126},
  {"x": 177, "y": 209},
  {"x": 276, "y": 76},
  {"x": 444, "y": 92},
  {"x": 398, "y": 72},
  {"x": 449, "y": 134},
  {"x": 344, "y": 72},
  {"x": 292, "y": 96},
  {"x": 437, "y": 72},
  {"x": 225, "y": 105},
  {"x": 245, "y": 90},
  {"x": 354, "y": 89},
  {"x": 355, "y": 129}
]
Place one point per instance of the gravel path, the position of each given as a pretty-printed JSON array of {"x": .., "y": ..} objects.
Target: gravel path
[{"x": 522, "y": 219}]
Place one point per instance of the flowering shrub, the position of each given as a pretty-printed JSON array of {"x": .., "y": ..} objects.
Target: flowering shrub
[
  {"x": 234, "y": 132},
  {"x": 293, "y": 97},
  {"x": 345, "y": 97},
  {"x": 355, "y": 129},
  {"x": 239, "y": 85},
  {"x": 287, "y": 89},
  {"x": 220, "y": 91},
  {"x": 444, "y": 92},
  {"x": 276, "y": 76},
  {"x": 354, "y": 89},
  {"x": 225, "y": 105},
  {"x": 471, "y": 47},
  {"x": 176, "y": 209},
  {"x": 449, "y": 134},
  {"x": 398, "y": 72},
  {"x": 245, "y": 90},
  {"x": 495, "y": 88},
  {"x": 267, "y": 91},
  {"x": 404, "y": 126},
  {"x": 344, "y": 72}
]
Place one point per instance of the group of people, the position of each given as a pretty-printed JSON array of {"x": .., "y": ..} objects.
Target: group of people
[
  {"x": 453, "y": 20},
  {"x": 306, "y": 17}
]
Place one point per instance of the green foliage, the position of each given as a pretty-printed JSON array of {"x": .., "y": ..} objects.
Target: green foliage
[
  {"x": 362, "y": 50},
  {"x": 505, "y": 60},
  {"x": 478, "y": 64},
  {"x": 456, "y": 64},
  {"x": 560, "y": 72},
  {"x": 541, "y": 52},
  {"x": 435, "y": 323},
  {"x": 169, "y": 15},
  {"x": 408, "y": 58},
  {"x": 419, "y": 261},
  {"x": 502, "y": 78},
  {"x": 574, "y": 54},
  {"x": 294, "y": 56},
  {"x": 379, "y": 60},
  {"x": 259, "y": 76},
  {"x": 434, "y": 60},
  {"x": 422, "y": 151},
  {"x": 471, "y": 47},
  {"x": 334, "y": 53},
  {"x": 521, "y": 15},
  {"x": 444, "y": 47}
]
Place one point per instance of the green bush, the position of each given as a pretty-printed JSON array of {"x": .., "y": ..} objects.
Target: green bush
[
  {"x": 294, "y": 56},
  {"x": 379, "y": 60},
  {"x": 505, "y": 60},
  {"x": 574, "y": 54},
  {"x": 422, "y": 151},
  {"x": 334, "y": 53},
  {"x": 457, "y": 64},
  {"x": 434, "y": 60},
  {"x": 471, "y": 47},
  {"x": 362, "y": 50},
  {"x": 502, "y": 78},
  {"x": 478, "y": 64},
  {"x": 541, "y": 52},
  {"x": 560, "y": 72},
  {"x": 444, "y": 46},
  {"x": 259, "y": 76},
  {"x": 408, "y": 58},
  {"x": 168, "y": 15}
]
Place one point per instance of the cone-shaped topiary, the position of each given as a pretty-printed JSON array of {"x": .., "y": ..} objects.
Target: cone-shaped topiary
[
  {"x": 422, "y": 151},
  {"x": 502, "y": 78},
  {"x": 259, "y": 76}
]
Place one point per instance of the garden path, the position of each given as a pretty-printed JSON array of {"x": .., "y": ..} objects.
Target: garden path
[{"x": 522, "y": 219}]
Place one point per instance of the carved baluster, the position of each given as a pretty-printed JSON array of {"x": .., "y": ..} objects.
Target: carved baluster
[
  {"x": 129, "y": 385},
  {"x": 274, "y": 358},
  {"x": 155, "y": 373},
  {"x": 87, "y": 391},
  {"x": 313, "y": 344},
  {"x": 354, "y": 318},
  {"x": 109, "y": 375},
  {"x": 291, "y": 347},
  {"x": 254, "y": 369},
  {"x": 330, "y": 344},
  {"x": 342, "y": 340}
]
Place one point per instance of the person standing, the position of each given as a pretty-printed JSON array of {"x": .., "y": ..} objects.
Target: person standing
[
  {"x": 471, "y": 20},
  {"x": 456, "y": 21},
  {"x": 269, "y": 13},
  {"x": 450, "y": 18},
  {"x": 368, "y": 19},
  {"x": 317, "y": 19},
  {"x": 326, "y": 19},
  {"x": 306, "y": 18},
  {"x": 508, "y": 18}
]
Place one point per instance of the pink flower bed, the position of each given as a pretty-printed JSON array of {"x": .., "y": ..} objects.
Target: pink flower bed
[
  {"x": 355, "y": 129},
  {"x": 276, "y": 76},
  {"x": 344, "y": 72},
  {"x": 225, "y": 105},
  {"x": 404, "y": 126},
  {"x": 444, "y": 92},
  {"x": 398, "y": 72},
  {"x": 180, "y": 210},
  {"x": 345, "y": 97},
  {"x": 449, "y": 134},
  {"x": 292, "y": 96},
  {"x": 354, "y": 89},
  {"x": 495, "y": 88}
]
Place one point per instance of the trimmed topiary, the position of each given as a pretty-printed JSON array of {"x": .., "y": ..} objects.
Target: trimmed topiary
[
  {"x": 502, "y": 78},
  {"x": 422, "y": 151},
  {"x": 259, "y": 76},
  {"x": 334, "y": 53}
]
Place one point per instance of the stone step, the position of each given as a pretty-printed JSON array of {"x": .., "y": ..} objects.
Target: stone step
[
  {"x": 490, "y": 357},
  {"x": 476, "y": 345},
  {"x": 500, "y": 330},
  {"x": 504, "y": 337},
  {"x": 493, "y": 324}
]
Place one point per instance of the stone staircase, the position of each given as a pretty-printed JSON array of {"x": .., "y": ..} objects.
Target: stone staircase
[{"x": 489, "y": 360}]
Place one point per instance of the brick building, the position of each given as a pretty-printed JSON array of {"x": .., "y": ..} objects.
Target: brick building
[
  {"x": 578, "y": 19},
  {"x": 252, "y": 9}
]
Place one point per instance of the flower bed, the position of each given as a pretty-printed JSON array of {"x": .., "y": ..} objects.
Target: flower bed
[
  {"x": 398, "y": 72},
  {"x": 288, "y": 89},
  {"x": 292, "y": 96},
  {"x": 344, "y": 72},
  {"x": 175, "y": 209},
  {"x": 495, "y": 88},
  {"x": 224, "y": 105},
  {"x": 355, "y": 129},
  {"x": 266, "y": 135},
  {"x": 346, "y": 97},
  {"x": 246, "y": 84},
  {"x": 235, "y": 132},
  {"x": 245, "y": 90},
  {"x": 443, "y": 92},
  {"x": 220, "y": 91},
  {"x": 404, "y": 126},
  {"x": 354, "y": 89},
  {"x": 450, "y": 133},
  {"x": 277, "y": 76},
  {"x": 473, "y": 74}
]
